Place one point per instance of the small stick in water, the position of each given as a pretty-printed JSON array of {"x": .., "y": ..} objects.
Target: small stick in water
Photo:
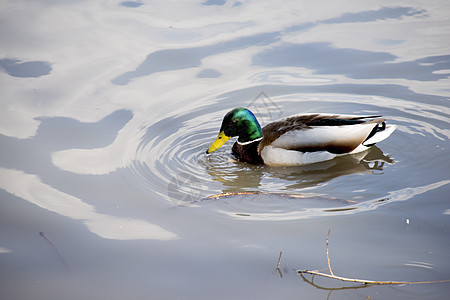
[
  {"x": 278, "y": 264},
  {"x": 328, "y": 257},
  {"x": 54, "y": 247},
  {"x": 363, "y": 281}
]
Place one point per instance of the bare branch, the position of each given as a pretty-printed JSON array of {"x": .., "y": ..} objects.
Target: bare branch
[{"x": 363, "y": 281}]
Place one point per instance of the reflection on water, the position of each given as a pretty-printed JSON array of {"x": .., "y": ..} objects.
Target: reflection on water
[
  {"x": 208, "y": 73},
  {"x": 63, "y": 133},
  {"x": 248, "y": 177},
  {"x": 30, "y": 188},
  {"x": 383, "y": 13},
  {"x": 107, "y": 109},
  {"x": 278, "y": 207},
  {"x": 16, "y": 68},
  {"x": 177, "y": 59},
  {"x": 57, "y": 134},
  {"x": 131, "y": 4},
  {"x": 353, "y": 63},
  {"x": 214, "y": 2}
]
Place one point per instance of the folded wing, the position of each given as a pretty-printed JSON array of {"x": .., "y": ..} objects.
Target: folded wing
[{"x": 319, "y": 132}]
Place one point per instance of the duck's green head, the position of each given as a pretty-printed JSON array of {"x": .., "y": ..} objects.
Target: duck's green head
[{"x": 238, "y": 122}]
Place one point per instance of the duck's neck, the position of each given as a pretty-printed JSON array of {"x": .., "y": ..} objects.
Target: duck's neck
[{"x": 248, "y": 152}]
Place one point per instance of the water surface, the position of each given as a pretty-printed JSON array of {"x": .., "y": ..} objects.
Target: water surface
[{"x": 107, "y": 109}]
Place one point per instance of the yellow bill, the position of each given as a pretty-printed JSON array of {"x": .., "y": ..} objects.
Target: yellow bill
[{"x": 220, "y": 140}]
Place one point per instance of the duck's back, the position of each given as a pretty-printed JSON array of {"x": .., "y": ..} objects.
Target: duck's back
[{"x": 317, "y": 137}]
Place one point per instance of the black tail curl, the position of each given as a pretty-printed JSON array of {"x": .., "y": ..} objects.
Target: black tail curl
[{"x": 378, "y": 128}]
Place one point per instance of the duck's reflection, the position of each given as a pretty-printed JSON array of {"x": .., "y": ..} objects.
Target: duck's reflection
[{"x": 244, "y": 176}]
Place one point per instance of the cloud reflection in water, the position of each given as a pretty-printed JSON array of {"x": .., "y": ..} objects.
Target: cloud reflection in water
[
  {"x": 30, "y": 188},
  {"x": 17, "y": 68}
]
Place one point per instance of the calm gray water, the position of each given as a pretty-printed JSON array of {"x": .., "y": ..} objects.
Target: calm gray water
[{"x": 107, "y": 108}]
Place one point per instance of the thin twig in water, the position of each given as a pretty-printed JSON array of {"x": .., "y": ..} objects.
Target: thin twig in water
[
  {"x": 278, "y": 264},
  {"x": 328, "y": 257},
  {"x": 363, "y": 281},
  {"x": 311, "y": 282},
  {"x": 54, "y": 247},
  {"x": 279, "y": 260}
]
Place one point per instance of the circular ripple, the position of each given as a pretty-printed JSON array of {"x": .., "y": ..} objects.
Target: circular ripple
[
  {"x": 170, "y": 158},
  {"x": 167, "y": 157}
]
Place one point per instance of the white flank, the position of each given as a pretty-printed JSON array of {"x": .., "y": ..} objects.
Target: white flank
[
  {"x": 323, "y": 135},
  {"x": 273, "y": 156}
]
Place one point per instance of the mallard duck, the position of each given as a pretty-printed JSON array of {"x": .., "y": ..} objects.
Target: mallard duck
[{"x": 299, "y": 139}]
